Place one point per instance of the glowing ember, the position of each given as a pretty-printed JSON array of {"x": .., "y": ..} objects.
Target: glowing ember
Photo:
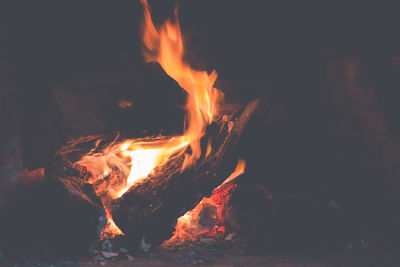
[
  {"x": 207, "y": 218},
  {"x": 124, "y": 103},
  {"x": 111, "y": 229}
]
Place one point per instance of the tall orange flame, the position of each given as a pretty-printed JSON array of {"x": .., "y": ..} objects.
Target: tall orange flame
[
  {"x": 136, "y": 159},
  {"x": 165, "y": 46}
]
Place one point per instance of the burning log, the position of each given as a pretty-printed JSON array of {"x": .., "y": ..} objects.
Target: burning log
[{"x": 148, "y": 211}]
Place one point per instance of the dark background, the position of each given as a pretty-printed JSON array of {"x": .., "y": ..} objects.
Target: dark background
[{"x": 278, "y": 48}]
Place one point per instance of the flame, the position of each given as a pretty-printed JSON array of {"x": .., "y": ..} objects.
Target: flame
[
  {"x": 240, "y": 167},
  {"x": 136, "y": 159},
  {"x": 165, "y": 45}
]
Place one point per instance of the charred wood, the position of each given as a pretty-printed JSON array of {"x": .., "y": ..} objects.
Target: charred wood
[{"x": 52, "y": 217}]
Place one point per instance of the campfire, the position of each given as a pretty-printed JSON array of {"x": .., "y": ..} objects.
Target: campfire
[
  {"x": 156, "y": 189},
  {"x": 126, "y": 168},
  {"x": 180, "y": 163}
]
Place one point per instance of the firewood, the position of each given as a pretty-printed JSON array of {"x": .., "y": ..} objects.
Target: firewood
[
  {"x": 150, "y": 208},
  {"x": 54, "y": 216}
]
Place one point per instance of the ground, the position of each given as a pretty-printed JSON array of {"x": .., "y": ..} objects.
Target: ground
[
  {"x": 224, "y": 257},
  {"x": 305, "y": 258}
]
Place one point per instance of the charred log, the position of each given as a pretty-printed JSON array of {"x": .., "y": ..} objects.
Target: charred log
[{"x": 53, "y": 217}]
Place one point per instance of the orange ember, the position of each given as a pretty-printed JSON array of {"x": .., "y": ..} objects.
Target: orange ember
[
  {"x": 207, "y": 218},
  {"x": 124, "y": 103},
  {"x": 111, "y": 229}
]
